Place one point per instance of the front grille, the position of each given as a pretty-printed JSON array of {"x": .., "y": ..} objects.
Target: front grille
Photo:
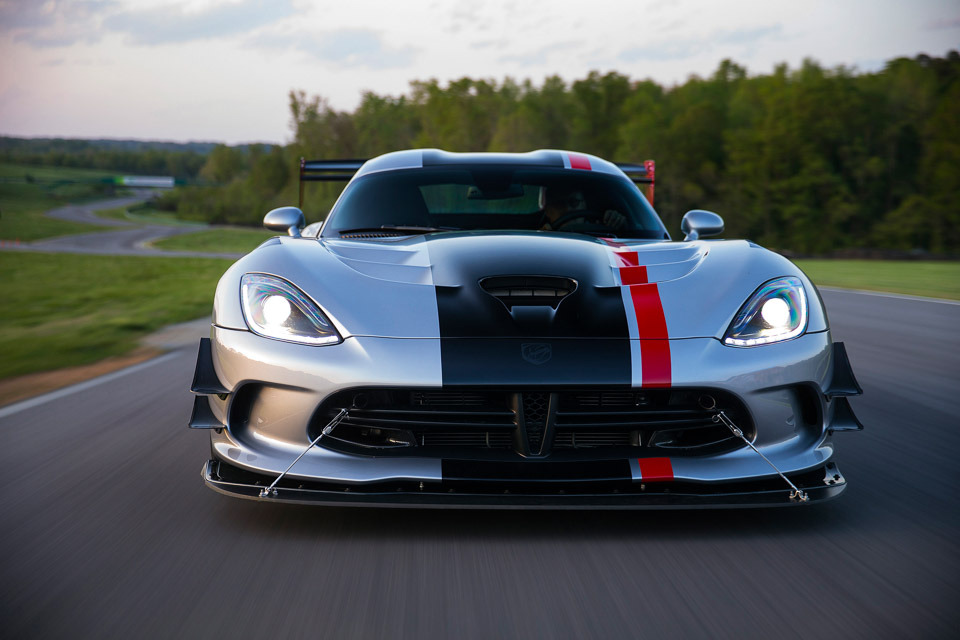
[
  {"x": 674, "y": 420},
  {"x": 535, "y": 408},
  {"x": 448, "y": 399},
  {"x": 563, "y": 424},
  {"x": 389, "y": 420},
  {"x": 587, "y": 438},
  {"x": 472, "y": 438}
]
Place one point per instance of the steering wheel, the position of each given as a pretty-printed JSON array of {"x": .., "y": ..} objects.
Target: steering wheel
[{"x": 570, "y": 216}]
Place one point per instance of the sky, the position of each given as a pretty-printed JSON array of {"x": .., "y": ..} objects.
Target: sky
[{"x": 221, "y": 70}]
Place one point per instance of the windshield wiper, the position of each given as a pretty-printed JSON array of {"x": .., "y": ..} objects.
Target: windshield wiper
[{"x": 402, "y": 228}]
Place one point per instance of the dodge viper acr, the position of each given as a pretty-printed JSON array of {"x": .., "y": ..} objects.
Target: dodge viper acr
[{"x": 516, "y": 331}]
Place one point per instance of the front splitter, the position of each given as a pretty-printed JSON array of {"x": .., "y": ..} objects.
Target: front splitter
[{"x": 658, "y": 497}]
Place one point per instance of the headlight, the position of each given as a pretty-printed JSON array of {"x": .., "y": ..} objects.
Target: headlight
[
  {"x": 274, "y": 308},
  {"x": 776, "y": 311}
]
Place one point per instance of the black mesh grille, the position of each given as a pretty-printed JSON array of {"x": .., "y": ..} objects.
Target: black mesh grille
[
  {"x": 657, "y": 418},
  {"x": 535, "y": 407},
  {"x": 448, "y": 399},
  {"x": 587, "y": 438},
  {"x": 582, "y": 424},
  {"x": 473, "y": 438}
]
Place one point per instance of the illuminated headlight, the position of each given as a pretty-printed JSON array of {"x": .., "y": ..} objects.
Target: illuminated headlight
[
  {"x": 274, "y": 308},
  {"x": 776, "y": 311}
]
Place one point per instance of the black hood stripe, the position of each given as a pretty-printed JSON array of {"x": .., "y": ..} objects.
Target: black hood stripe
[{"x": 584, "y": 340}]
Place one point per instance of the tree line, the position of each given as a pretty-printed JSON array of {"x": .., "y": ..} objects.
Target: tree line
[
  {"x": 810, "y": 159},
  {"x": 180, "y": 160}
]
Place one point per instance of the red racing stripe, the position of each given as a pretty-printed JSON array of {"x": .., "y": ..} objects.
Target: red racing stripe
[
  {"x": 633, "y": 275},
  {"x": 648, "y": 309},
  {"x": 652, "y": 327},
  {"x": 579, "y": 161},
  {"x": 656, "y": 363},
  {"x": 627, "y": 258},
  {"x": 655, "y": 469}
]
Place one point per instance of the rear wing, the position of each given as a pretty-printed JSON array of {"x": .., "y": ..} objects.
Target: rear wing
[
  {"x": 343, "y": 170},
  {"x": 640, "y": 173},
  {"x": 327, "y": 171}
]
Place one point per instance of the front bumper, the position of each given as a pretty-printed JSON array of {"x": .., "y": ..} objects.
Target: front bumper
[
  {"x": 261, "y": 396},
  {"x": 820, "y": 485}
]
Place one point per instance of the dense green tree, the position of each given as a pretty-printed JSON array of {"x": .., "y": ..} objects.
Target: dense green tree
[{"x": 811, "y": 159}]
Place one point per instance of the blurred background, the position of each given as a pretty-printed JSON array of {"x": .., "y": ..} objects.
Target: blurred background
[{"x": 827, "y": 131}]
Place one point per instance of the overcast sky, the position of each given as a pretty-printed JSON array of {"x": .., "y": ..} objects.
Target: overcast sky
[{"x": 221, "y": 69}]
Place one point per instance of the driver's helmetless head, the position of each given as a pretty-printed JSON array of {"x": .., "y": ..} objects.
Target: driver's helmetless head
[{"x": 569, "y": 200}]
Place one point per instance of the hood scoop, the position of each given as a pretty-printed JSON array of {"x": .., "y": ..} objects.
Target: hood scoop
[{"x": 528, "y": 291}]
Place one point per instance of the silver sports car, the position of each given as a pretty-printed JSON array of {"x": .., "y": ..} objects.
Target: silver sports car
[{"x": 516, "y": 330}]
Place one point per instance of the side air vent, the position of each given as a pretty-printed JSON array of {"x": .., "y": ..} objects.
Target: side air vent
[{"x": 529, "y": 291}]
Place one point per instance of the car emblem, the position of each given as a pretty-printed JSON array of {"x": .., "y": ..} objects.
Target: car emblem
[{"x": 536, "y": 352}]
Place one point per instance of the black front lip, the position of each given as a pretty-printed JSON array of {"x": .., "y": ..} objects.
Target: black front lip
[{"x": 774, "y": 493}]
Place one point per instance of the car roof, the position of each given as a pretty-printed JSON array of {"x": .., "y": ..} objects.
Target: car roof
[{"x": 422, "y": 158}]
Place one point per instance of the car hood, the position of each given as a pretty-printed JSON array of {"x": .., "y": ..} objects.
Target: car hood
[{"x": 490, "y": 284}]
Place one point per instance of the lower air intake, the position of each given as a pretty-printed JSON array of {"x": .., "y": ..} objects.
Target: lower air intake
[{"x": 479, "y": 423}]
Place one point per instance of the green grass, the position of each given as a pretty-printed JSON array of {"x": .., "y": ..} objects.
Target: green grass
[
  {"x": 63, "y": 310},
  {"x": 22, "y": 204},
  {"x": 933, "y": 279},
  {"x": 217, "y": 240},
  {"x": 144, "y": 214}
]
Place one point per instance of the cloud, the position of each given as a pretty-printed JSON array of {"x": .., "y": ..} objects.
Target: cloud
[
  {"x": 679, "y": 49},
  {"x": 942, "y": 23},
  {"x": 171, "y": 24},
  {"x": 539, "y": 56},
  {"x": 746, "y": 36},
  {"x": 30, "y": 15},
  {"x": 486, "y": 44},
  {"x": 53, "y": 23},
  {"x": 660, "y": 52},
  {"x": 344, "y": 47},
  {"x": 60, "y": 23}
]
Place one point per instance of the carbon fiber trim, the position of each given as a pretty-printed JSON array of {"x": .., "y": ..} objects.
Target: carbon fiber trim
[{"x": 768, "y": 494}]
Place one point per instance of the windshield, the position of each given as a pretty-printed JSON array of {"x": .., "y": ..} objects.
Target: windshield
[{"x": 493, "y": 198}]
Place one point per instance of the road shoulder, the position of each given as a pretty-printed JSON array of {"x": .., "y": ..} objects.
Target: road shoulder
[{"x": 171, "y": 338}]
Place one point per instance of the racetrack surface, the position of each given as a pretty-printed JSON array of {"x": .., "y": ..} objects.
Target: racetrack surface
[
  {"x": 108, "y": 531},
  {"x": 131, "y": 239}
]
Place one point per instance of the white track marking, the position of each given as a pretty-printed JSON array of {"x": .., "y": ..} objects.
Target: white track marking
[
  {"x": 881, "y": 294},
  {"x": 81, "y": 386}
]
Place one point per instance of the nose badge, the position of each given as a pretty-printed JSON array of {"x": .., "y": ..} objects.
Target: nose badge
[{"x": 536, "y": 352}]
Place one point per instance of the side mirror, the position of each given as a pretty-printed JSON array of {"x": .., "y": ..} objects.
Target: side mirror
[
  {"x": 698, "y": 223},
  {"x": 285, "y": 219}
]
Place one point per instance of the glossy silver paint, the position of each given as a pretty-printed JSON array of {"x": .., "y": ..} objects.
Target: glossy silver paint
[
  {"x": 386, "y": 287},
  {"x": 380, "y": 295}
]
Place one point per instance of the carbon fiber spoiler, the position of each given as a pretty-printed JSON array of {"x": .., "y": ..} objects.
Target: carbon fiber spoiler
[
  {"x": 327, "y": 171},
  {"x": 342, "y": 170},
  {"x": 640, "y": 173}
]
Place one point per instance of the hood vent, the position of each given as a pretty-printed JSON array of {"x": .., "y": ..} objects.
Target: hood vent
[
  {"x": 375, "y": 234},
  {"x": 529, "y": 291}
]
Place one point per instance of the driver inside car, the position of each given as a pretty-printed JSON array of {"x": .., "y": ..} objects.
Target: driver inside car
[{"x": 560, "y": 208}]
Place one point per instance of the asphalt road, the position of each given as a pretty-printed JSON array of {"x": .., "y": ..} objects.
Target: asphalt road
[
  {"x": 108, "y": 531},
  {"x": 130, "y": 239}
]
